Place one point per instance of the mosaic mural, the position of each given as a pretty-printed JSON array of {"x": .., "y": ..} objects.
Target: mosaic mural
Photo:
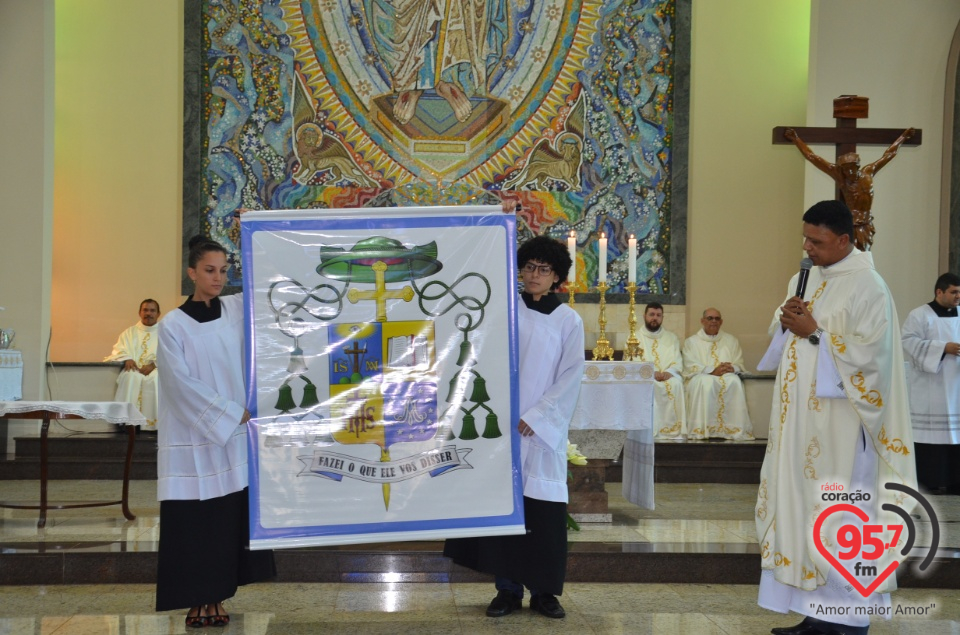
[{"x": 568, "y": 107}]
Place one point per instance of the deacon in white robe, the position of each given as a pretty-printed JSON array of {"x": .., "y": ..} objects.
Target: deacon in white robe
[
  {"x": 839, "y": 424},
  {"x": 716, "y": 402},
  {"x": 931, "y": 345},
  {"x": 137, "y": 349},
  {"x": 663, "y": 349}
]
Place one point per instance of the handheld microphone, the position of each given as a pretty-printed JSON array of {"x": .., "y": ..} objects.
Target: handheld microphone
[{"x": 805, "y": 265}]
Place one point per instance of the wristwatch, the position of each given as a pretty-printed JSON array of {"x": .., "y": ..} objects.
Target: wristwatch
[{"x": 815, "y": 337}]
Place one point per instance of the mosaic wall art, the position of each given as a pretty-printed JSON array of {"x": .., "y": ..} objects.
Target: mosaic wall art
[{"x": 576, "y": 109}]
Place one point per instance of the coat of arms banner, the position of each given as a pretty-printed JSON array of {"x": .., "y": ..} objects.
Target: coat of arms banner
[{"x": 381, "y": 352}]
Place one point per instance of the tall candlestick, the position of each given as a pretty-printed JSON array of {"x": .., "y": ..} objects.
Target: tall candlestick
[
  {"x": 632, "y": 262},
  {"x": 603, "y": 257},
  {"x": 572, "y": 250}
]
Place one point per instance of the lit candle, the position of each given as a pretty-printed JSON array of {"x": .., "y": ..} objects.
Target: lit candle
[
  {"x": 603, "y": 257},
  {"x": 572, "y": 249},
  {"x": 632, "y": 263}
]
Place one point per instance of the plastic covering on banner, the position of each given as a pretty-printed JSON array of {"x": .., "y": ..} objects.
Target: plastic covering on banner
[{"x": 382, "y": 364}]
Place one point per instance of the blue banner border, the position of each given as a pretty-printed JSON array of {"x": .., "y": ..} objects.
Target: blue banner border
[{"x": 377, "y": 222}]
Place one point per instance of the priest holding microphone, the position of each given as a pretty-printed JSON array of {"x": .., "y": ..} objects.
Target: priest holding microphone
[{"x": 839, "y": 418}]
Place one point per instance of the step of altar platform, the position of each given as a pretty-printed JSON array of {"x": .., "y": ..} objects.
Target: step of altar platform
[
  {"x": 702, "y": 462},
  {"x": 708, "y": 461},
  {"x": 698, "y": 533},
  {"x": 70, "y": 562},
  {"x": 91, "y": 456},
  {"x": 100, "y": 456}
]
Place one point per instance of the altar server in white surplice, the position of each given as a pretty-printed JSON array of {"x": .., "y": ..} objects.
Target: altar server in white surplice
[
  {"x": 663, "y": 349},
  {"x": 550, "y": 350},
  {"x": 204, "y": 553},
  {"x": 137, "y": 349},
  {"x": 716, "y": 403},
  {"x": 839, "y": 422},
  {"x": 930, "y": 345}
]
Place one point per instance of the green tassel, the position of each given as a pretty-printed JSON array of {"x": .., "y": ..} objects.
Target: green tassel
[
  {"x": 479, "y": 394},
  {"x": 454, "y": 381},
  {"x": 309, "y": 395},
  {"x": 469, "y": 430},
  {"x": 285, "y": 401},
  {"x": 492, "y": 429},
  {"x": 466, "y": 357},
  {"x": 323, "y": 437},
  {"x": 297, "y": 365}
]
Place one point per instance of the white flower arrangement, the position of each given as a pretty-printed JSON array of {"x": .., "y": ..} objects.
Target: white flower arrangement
[{"x": 574, "y": 456}]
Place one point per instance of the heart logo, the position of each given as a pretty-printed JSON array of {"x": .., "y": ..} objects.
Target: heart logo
[{"x": 862, "y": 515}]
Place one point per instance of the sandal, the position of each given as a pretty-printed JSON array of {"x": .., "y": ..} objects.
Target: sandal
[
  {"x": 198, "y": 620},
  {"x": 215, "y": 617}
]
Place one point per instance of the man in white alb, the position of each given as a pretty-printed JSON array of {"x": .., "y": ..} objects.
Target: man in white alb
[
  {"x": 137, "y": 349},
  {"x": 716, "y": 402},
  {"x": 931, "y": 346},
  {"x": 839, "y": 422},
  {"x": 662, "y": 347}
]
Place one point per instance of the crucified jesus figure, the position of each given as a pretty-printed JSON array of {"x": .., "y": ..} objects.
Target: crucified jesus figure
[{"x": 854, "y": 182}]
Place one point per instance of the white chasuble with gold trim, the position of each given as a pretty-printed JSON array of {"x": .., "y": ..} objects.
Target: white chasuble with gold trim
[
  {"x": 669, "y": 409},
  {"x": 813, "y": 440},
  {"x": 138, "y": 343},
  {"x": 716, "y": 405}
]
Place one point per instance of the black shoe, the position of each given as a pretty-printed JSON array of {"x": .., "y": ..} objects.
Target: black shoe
[
  {"x": 548, "y": 605},
  {"x": 807, "y": 627},
  {"x": 504, "y": 604}
]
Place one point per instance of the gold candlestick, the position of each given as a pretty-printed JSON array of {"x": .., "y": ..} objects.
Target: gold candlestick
[
  {"x": 633, "y": 344},
  {"x": 571, "y": 290},
  {"x": 603, "y": 349}
]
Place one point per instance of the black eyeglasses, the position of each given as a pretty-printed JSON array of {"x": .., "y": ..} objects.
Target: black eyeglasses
[{"x": 543, "y": 270}]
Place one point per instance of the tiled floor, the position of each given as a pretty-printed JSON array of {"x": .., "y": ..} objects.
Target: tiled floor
[
  {"x": 687, "y": 515},
  {"x": 361, "y": 609}
]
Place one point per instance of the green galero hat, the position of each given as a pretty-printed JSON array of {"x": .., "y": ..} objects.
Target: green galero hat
[{"x": 402, "y": 263}]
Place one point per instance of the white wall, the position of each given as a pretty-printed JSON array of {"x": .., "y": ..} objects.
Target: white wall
[
  {"x": 895, "y": 53},
  {"x": 26, "y": 181}
]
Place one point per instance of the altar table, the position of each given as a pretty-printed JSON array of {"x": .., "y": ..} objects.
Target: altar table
[
  {"x": 615, "y": 396},
  {"x": 110, "y": 411}
]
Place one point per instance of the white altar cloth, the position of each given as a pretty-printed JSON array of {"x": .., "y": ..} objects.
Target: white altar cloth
[
  {"x": 615, "y": 396},
  {"x": 109, "y": 411}
]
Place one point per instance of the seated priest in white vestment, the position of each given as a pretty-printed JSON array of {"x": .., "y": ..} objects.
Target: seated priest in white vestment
[
  {"x": 137, "y": 349},
  {"x": 663, "y": 349},
  {"x": 931, "y": 349},
  {"x": 716, "y": 402}
]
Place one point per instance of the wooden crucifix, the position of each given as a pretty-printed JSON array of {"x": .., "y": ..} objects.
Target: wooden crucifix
[{"x": 854, "y": 183}]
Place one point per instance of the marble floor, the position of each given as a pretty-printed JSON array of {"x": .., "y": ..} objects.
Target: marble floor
[
  {"x": 688, "y": 516},
  {"x": 417, "y": 608}
]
